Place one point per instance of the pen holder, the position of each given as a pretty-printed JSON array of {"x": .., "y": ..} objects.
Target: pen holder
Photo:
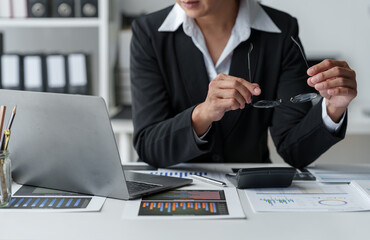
[{"x": 5, "y": 179}]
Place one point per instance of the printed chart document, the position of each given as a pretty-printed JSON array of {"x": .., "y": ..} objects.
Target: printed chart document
[
  {"x": 187, "y": 203},
  {"x": 186, "y": 173},
  {"x": 308, "y": 197},
  {"x": 35, "y": 199},
  {"x": 341, "y": 173}
]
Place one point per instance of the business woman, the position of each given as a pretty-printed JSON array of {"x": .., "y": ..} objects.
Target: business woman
[{"x": 197, "y": 68}]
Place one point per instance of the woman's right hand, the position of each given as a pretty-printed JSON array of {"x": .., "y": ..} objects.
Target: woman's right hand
[{"x": 225, "y": 93}]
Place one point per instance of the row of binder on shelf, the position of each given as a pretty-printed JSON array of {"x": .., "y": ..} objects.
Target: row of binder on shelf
[
  {"x": 46, "y": 73},
  {"x": 1, "y": 43},
  {"x": 48, "y": 8}
]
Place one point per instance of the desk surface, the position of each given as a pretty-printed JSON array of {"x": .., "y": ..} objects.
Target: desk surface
[{"x": 109, "y": 224}]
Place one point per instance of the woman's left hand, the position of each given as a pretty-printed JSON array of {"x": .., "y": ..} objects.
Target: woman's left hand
[{"x": 336, "y": 82}]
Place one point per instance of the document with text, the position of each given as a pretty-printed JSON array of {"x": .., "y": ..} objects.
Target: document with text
[{"x": 308, "y": 197}]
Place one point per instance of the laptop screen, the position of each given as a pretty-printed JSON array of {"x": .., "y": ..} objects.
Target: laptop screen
[{"x": 63, "y": 142}]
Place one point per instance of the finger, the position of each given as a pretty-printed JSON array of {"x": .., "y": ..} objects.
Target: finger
[
  {"x": 237, "y": 85},
  {"x": 342, "y": 91},
  {"x": 336, "y": 82},
  {"x": 253, "y": 88},
  {"x": 310, "y": 83},
  {"x": 325, "y": 94},
  {"x": 232, "y": 94},
  {"x": 228, "y": 104},
  {"x": 325, "y": 65},
  {"x": 333, "y": 73}
]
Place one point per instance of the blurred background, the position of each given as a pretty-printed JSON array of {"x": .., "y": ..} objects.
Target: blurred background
[{"x": 82, "y": 46}]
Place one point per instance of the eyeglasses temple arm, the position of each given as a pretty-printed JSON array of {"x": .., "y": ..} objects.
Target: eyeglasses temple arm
[
  {"x": 249, "y": 62},
  {"x": 301, "y": 50}
]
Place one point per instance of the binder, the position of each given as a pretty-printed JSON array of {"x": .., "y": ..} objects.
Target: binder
[
  {"x": 5, "y": 9},
  {"x": 1, "y": 44},
  {"x": 77, "y": 8},
  {"x": 78, "y": 82},
  {"x": 89, "y": 8},
  {"x": 56, "y": 73},
  {"x": 11, "y": 72},
  {"x": 63, "y": 8},
  {"x": 38, "y": 8},
  {"x": 34, "y": 77},
  {"x": 19, "y": 8}
]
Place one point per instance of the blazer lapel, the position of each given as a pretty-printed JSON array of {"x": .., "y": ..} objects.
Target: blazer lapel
[
  {"x": 192, "y": 68},
  {"x": 239, "y": 68}
]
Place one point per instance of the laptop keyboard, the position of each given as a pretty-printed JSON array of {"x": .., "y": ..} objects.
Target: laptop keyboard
[{"x": 139, "y": 186}]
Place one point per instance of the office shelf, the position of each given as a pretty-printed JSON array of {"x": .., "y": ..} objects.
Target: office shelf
[
  {"x": 50, "y": 22},
  {"x": 94, "y": 36}
]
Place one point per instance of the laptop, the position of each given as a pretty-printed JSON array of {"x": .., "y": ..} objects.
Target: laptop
[{"x": 66, "y": 142}]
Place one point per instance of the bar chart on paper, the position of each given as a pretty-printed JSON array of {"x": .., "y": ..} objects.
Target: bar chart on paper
[
  {"x": 180, "y": 174},
  {"x": 185, "y": 202},
  {"x": 48, "y": 202},
  {"x": 186, "y": 173},
  {"x": 277, "y": 201},
  {"x": 30, "y": 198}
]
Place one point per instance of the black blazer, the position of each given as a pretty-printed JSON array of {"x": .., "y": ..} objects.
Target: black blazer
[{"x": 169, "y": 78}]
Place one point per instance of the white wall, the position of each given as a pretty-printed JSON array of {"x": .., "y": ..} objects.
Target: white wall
[{"x": 144, "y": 6}]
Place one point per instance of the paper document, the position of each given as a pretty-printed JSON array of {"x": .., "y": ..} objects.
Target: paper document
[
  {"x": 187, "y": 203},
  {"x": 35, "y": 199},
  {"x": 186, "y": 174},
  {"x": 363, "y": 187},
  {"x": 308, "y": 197},
  {"x": 341, "y": 173}
]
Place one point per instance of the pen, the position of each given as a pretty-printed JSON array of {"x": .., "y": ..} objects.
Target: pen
[
  {"x": 12, "y": 118},
  {"x": 7, "y": 131},
  {"x": 210, "y": 180},
  {"x": 2, "y": 116}
]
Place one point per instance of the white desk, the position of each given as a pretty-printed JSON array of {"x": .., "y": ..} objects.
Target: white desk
[{"x": 108, "y": 224}]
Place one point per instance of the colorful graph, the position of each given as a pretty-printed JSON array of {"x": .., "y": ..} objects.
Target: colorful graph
[
  {"x": 183, "y": 208},
  {"x": 332, "y": 202},
  {"x": 48, "y": 202},
  {"x": 188, "y": 195},
  {"x": 277, "y": 201},
  {"x": 183, "y": 202}
]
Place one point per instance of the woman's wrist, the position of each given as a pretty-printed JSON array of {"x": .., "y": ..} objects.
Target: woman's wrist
[
  {"x": 335, "y": 113},
  {"x": 199, "y": 120}
]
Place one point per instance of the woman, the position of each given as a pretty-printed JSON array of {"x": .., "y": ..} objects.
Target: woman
[{"x": 196, "y": 68}]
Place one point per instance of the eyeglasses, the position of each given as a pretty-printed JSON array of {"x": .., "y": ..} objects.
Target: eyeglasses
[{"x": 300, "y": 98}]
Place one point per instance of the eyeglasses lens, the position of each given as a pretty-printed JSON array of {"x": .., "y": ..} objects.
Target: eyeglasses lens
[
  {"x": 305, "y": 97},
  {"x": 266, "y": 104}
]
